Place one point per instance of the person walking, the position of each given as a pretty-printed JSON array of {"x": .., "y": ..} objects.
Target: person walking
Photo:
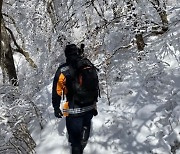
[{"x": 76, "y": 82}]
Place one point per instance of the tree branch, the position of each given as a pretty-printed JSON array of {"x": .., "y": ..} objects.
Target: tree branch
[
  {"x": 99, "y": 14},
  {"x": 20, "y": 50},
  {"x": 17, "y": 29},
  {"x": 114, "y": 52}
]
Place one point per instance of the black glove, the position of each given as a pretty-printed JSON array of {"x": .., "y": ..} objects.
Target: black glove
[
  {"x": 58, "y": 113},
  {"x": 95, "y": 112}
]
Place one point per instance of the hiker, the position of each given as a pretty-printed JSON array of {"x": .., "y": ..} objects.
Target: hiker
[{"x": 77, "y": 80}]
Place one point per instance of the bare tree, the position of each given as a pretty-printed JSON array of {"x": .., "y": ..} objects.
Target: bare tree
[
  {"x": 134, "y": 17},
  {"x": 160, "y": 8},
  {"x": 6, "y": 51},
  {"x": 7, "y": 61}
]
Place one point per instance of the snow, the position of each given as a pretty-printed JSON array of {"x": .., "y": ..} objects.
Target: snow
[
  {"x": 114, "y": 130},
  {"x": 142, "y": 114},
  {"x": 132, "y": 124}
]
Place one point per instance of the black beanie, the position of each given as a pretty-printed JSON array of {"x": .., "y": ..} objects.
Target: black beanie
[{"x": 70, "y": 50}]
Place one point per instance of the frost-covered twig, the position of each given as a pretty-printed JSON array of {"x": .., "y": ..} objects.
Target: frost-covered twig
[
  {"x": 115, "y": 52},
  {"x": 99, "y": 14},
  {"x": 38, "y": 114}
]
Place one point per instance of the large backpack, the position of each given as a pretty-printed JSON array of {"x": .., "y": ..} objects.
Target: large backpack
[{"x": 85, "y": 83}]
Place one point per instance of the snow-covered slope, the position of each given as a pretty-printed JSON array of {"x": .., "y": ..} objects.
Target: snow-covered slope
[{"x": 143, "y": 116}]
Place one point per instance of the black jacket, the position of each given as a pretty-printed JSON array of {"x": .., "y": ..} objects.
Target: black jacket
[{"x": 62, "y": 87}]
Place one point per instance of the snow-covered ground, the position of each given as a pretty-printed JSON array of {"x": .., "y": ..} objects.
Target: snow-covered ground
[
  {"x": 138, "y": 121},
  {"x": 144, "y": 112}
]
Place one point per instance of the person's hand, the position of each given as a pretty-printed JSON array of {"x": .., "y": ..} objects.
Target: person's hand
[
  {"x": 58, "y": 113},
  {"x": 95, "y": 112}
]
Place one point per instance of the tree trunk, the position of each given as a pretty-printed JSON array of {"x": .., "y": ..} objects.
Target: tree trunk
[
  {"x": 162, "y": 13},
  {"x": 7, "y": 55},
  {"x": 138, "y": 35},
  {"x": 1, "y": 2},
  {"x": 140, "y": 42},
  {"x": 163, "y": 16},
  {"x": 10, "y": 67}
]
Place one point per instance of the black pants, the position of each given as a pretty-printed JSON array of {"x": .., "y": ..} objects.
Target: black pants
[{"x": 78, "y": 130}]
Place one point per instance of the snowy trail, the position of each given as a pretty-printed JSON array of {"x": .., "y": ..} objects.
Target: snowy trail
[
  {"x": 140, "y": 116},
  {"x": 111, "y": 129},
  {"x": 125, "y": 127}
]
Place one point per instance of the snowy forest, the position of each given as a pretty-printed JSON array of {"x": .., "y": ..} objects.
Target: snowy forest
[{"x": 135, "y": 44}]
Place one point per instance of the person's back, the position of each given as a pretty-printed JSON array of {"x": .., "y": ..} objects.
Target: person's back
[{"x": 68, "y": 82}]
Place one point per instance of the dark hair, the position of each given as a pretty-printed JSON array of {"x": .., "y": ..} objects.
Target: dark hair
[{"x": 71, "y": 49}]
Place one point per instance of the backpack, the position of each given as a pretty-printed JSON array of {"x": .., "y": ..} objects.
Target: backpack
[{"x": 85, "y": 83}]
